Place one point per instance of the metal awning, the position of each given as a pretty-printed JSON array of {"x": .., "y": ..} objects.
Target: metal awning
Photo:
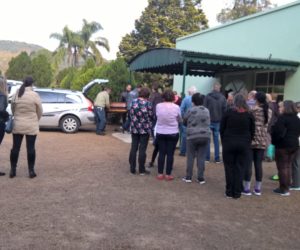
[{"x": 182, "y": 62}]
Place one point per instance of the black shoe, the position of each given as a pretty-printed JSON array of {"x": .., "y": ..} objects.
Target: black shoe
[
  {"x": 146, "y": 172},
  {"x": 201, "y": 181},
  {"x": 12, "y": 173},
  {"x": 32, "y": 174},
  {"x": 1, "y": 173},
  {"x": 282, "y": 193},
  {"x": 151, "y": 165}
]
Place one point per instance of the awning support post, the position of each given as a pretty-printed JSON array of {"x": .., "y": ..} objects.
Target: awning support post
[{"x": 183, "y": 82}]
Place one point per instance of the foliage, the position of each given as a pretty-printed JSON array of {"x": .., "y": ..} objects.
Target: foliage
[
  {"x": 41, "y": 71},
  {"x": 71, "y": 74},
  {"x": 243, "y": 8},
  {"x": 78, "y": 45},
  {"x": 19, "y": 67},
  {"x": 162, "y": 22}
]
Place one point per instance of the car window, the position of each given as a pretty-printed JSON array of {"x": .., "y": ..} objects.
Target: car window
[
  {"x": 48, "y": 97},
  {"x": 71, "y": 98}
]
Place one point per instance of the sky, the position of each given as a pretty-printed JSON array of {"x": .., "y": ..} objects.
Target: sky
[{"x": 32, "y": 21}]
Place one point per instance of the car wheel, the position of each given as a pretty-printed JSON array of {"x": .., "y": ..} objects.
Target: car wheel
[{"x": 69, "y": 124}]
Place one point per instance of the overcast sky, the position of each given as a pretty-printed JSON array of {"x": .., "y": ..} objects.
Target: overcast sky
[{"x": 33, "y": 21}]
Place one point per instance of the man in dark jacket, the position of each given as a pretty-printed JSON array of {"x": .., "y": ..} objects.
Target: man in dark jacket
[{"x": 215, "y": 102}]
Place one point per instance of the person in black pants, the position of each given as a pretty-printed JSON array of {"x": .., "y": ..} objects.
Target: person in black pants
[
  {"x": 141, "y": 116},
  {"x": 3, "y": 112},
  {"x": 237, "y": 130}
]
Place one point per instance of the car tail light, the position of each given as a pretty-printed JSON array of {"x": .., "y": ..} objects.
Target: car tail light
[{"x": 90, "y": 107}]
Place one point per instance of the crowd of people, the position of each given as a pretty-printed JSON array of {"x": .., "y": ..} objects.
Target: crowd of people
[{"x": 246, "y": 124}]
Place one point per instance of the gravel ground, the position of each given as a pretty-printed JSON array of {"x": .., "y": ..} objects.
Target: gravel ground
[{"x": 85, "y": 198}]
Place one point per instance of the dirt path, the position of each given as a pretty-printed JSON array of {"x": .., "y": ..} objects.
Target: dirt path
[{"x": 85, "y": 198}]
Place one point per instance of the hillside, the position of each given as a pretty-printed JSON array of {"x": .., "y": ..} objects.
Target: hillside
[{"x": 10, "y": 49}]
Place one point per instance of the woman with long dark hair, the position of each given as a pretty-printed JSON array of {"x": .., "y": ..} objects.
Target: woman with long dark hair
[
  {"x": 3, "y": 112},
  {"x": 27, "y": 110},
  {"x": 285, "y": 137},
  {"x": 236, "y": 130},
  {"x": 262, "y": 115}
]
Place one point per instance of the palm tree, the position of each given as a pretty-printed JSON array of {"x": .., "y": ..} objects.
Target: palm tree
[
  {"x": 90, "y": 47},
  {"x": 71, "y": 43}
]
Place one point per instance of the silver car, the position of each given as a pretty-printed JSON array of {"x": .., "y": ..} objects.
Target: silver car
[{"x": 67, "y": 109}]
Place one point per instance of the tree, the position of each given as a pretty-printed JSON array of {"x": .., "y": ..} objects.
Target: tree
[
  {"x": 41, "y": 71},
  {"x": 70, "y": 43},
  {"x": 243, "y": 8},
  {"x": 90, "y": 47},
  {"x": 19, "y": 67},
  {"x": 161, "y": 23}
]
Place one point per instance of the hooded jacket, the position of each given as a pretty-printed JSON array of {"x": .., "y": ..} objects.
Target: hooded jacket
[{"x": 215, "y": 102}]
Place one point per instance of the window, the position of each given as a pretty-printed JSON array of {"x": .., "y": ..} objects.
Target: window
[
  {"x": 48, "y": 97},
  {"x": 270, "y": 82},
  {"x": 72, "y": 99}
]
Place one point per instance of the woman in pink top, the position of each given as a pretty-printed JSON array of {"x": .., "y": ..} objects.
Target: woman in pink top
[{"x": 167, "y": 133}]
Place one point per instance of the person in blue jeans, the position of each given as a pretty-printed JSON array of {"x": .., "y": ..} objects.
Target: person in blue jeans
[
  {"x": 215, "y": 102},
  {"x": 101, "y": 102},
  {"x": 185, "y": 105}
]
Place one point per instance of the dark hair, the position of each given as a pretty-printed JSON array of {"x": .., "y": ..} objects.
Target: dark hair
[
  {"x": 27, "y": 82},
  {"x": 198, "y": 99},
  {"x": 139, "y": 86},
  {"x": 289, "y": 107},
  {"x": 297, "y": 105},
  {"x": 168, "y": 95},
  {"x": 144, "y": 93},
  {"x": 155, "y": 86},
  {"x": 261, "y": 98},
  {"x": 239, "y": 101}
]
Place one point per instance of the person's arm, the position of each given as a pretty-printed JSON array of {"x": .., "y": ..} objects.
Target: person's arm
[
  {"x": 186, "y": 117},
  {"x": 107, "y": 104},
  {"x": 252, "y": 126},
  {"x": 39, "y": 108}
]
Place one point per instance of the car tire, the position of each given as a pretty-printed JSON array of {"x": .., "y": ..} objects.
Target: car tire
[{"x": 69, "y": 124}]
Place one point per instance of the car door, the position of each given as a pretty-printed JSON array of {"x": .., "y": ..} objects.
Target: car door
[{"x": 52, "y": 108}]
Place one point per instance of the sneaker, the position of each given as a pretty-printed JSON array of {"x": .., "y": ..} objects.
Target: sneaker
[
  {"x": 278, "y": 191},
  {"x": 207, "y": 161},
  {"x": 257, "y": 192},
  {"x": 218, "y": 162},
  {"x": 274, "y": 177},
  {"x": 228, "y": 196},
  {"x": 146, "y": 172},
  {"x": 2, "y": 174},
  {"x": 246, "y": 192},
  {"x": 295, "y": 188},
  {"x": 187, "y": 180},
  {"x": 160, "y": 177},
  {"x": 169, "y": 178},
  {"x": 201, "y": 181}
]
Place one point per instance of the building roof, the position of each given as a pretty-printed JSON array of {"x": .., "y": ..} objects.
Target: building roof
[
  {"x": 243, "y": 19},
  {"x": 182, "y": 62}
]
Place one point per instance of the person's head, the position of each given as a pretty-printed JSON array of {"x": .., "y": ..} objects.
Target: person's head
[
  {"x": 3, "y": 85},
  {"x": 251, "y": 94},
  {"x": 269, "y": 97},
  {"x": 139, "y": 87},
  {"x": 230, "y": 97},
  {"x": 192, "y": 90},
  {"x": 128, "y": 87},
  {"x": 289, "y": 107},
  {"x": 107, "y": 89},
  {"x": 168, "y": 95},
  {"x": 261, "y": 100},
  {"x": 175, "y": 92},
  {"x": 197, "y": 99},
  {"x": 27, "y": 82},
  {"x": 155, "y": 87},
  {"x": 217, "y": 86},
  {"x": 239, "y": 102},
  {"x": 144, "y": 93},
  {"x": 298, "y": 106}
]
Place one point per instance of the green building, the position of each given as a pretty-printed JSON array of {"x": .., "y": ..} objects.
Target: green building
[{"x": 268, "y": 37}]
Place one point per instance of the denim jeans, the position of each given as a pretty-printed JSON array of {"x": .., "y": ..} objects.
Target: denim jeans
[
  {"x": 126, "y": 124},
  {"x": 182, "y": 139},
  {"x": 100, "y": 118},
  {"x": 139, "y": 143},
  {"x": 256, "y": 156},
  {"x": 215, "y": 129},
  {"x": 166, "y": 148}
]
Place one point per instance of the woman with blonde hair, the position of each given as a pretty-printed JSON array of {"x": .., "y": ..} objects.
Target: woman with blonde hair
[
  {"x": 27, "y": 110},
  {"x": 3, "y": 112}
]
